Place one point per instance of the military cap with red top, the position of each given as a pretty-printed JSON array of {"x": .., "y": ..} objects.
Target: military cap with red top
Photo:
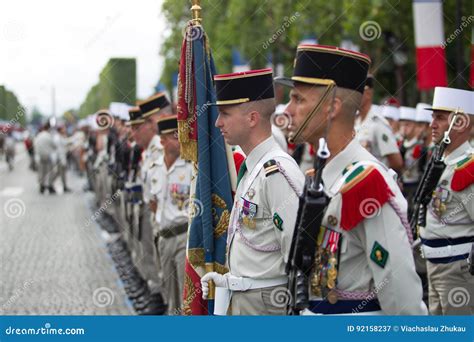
[
  {"x": 241, "y": 87},
  {"x": 135, "y": 116},
  {"x": 167, "y": 124},
  {"x": 329, "y": 65},
  {"x": 153, "y": 104}
]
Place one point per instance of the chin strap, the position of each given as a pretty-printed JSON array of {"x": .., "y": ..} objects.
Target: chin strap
[{"x": 312, "y": 113}]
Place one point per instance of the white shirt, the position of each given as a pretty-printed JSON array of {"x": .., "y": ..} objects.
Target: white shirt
[
  {"x": 272, "y": 197},
  {"x": 149, "y": 156},
  {"x": 44, "y": 144},
  {"x": 171, "y": 188},
  {"x": 376, "y": 135}
]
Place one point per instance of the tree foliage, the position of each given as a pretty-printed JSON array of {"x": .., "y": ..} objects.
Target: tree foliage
[
  {"x": 117, "y": 83},
  {"x": 10, "y": 107},
  {"x": 263, "y": 30}
]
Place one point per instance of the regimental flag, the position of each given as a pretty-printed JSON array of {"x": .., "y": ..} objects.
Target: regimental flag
[
  {"x": 430, "y": 44},
  {"x": 202, "y": 143}
]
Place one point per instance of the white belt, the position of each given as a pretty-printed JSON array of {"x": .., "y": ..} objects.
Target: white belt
[
  {"x": 244, "y": 284},
  {"x": 307, "y": 312},
  {"x": 446, "y": 251}
]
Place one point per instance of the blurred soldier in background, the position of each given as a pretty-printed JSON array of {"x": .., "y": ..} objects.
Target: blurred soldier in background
[
  {"x": 44, "y": 148},
  {"x": 374, "y": 132},
  {"x": 60, "y": 167},
  {"x": 411, "y": 150},
  {"x": 9, "y": 150}
]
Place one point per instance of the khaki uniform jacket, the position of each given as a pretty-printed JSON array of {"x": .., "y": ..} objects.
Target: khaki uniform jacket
[
  {"x": 263, "y": 218},
  {"x": 392, "y": 278}
]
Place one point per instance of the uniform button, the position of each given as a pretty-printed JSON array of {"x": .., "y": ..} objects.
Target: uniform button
[{"x": 332, "y": 220}]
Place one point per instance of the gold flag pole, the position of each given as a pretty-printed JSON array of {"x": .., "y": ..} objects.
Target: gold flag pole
[{"x": 196, "y": 9}]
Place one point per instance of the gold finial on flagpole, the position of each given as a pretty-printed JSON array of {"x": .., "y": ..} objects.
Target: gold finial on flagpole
[{"x": 196, "y": 9}]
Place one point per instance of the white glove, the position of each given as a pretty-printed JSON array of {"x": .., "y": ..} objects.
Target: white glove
[{"x": 218, "y": 279}]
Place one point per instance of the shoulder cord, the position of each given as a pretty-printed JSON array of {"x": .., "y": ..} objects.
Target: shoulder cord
[
  {"x": 288, "y": 179},
  {"x": 403, "y": 218}
]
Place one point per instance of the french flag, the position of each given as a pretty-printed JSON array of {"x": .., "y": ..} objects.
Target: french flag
[{"x": 430, "y": 49}]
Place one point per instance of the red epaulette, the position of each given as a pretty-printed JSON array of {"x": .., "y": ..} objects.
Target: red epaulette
[
  {"x": 463, "y": 174},
  {"x": 417, "y": 151},
  {"x": 363, "y": 195}
]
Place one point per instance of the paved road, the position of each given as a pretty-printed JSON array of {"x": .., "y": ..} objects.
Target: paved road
[{"x": 53, "y": 259}]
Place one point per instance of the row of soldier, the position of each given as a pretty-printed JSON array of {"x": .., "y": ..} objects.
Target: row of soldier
[{"x": 365, "y": 249}]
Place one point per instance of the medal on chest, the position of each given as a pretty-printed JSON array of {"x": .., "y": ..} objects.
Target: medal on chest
[
  {"x": 441, "y": 196},
  {"x": 324, "y": 279},
  {"x": 248, "y": 211}
]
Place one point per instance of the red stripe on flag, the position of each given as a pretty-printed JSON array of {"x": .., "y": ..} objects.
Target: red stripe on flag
[
  {"x": 193, "y": 302},
  {"x": 431, "y": 67}
]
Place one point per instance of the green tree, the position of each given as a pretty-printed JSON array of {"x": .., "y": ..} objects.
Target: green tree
[{"x": 261, "y": 28}]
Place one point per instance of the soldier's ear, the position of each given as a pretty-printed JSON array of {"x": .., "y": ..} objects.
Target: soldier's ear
[
  {"x": 254, "y": 118},
  {"x": 334, "y": 108}
]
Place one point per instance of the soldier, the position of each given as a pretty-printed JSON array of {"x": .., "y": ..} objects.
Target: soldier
[
  {"x": 364, "y": 261},
  {"x": 44, "y": 148},
  {"x": 152, "y": 109},
  {"x": 411, "y": 151},
  {"x": 132, "y": 186},
  {"x": 266, "y": 200},
  {"x": 449, "y": 233},
  {"x": 143, "y": 127},
  {"x": 60, "y": 169},
  {"x": 392, "y": 114},
  {"x": 170, "y": 185},
  {"x": 423, "y": 120},
  {"x": 374, "y": 132}
]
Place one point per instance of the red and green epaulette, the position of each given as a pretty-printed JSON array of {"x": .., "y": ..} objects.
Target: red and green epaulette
[
  {"x": 364, "y": 193},
  {"x": 463, "y": 174}
]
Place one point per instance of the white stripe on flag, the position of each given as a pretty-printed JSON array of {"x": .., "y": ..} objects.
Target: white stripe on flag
[{"x": 428, "y": 17}]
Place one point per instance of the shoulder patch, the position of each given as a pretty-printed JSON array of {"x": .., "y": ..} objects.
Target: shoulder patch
[
  {"x": 463, "y": 174},
  {"x": 363, "y": 195},
  {"x": 379, "y": 255},
  {"x": 270, "y": 167},
  {"x": 277, "y": 221}
]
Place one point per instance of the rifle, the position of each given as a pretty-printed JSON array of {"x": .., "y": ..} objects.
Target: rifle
[
  {"x": 312, "y": 206},
  {"x": 429, "y": 180}
]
